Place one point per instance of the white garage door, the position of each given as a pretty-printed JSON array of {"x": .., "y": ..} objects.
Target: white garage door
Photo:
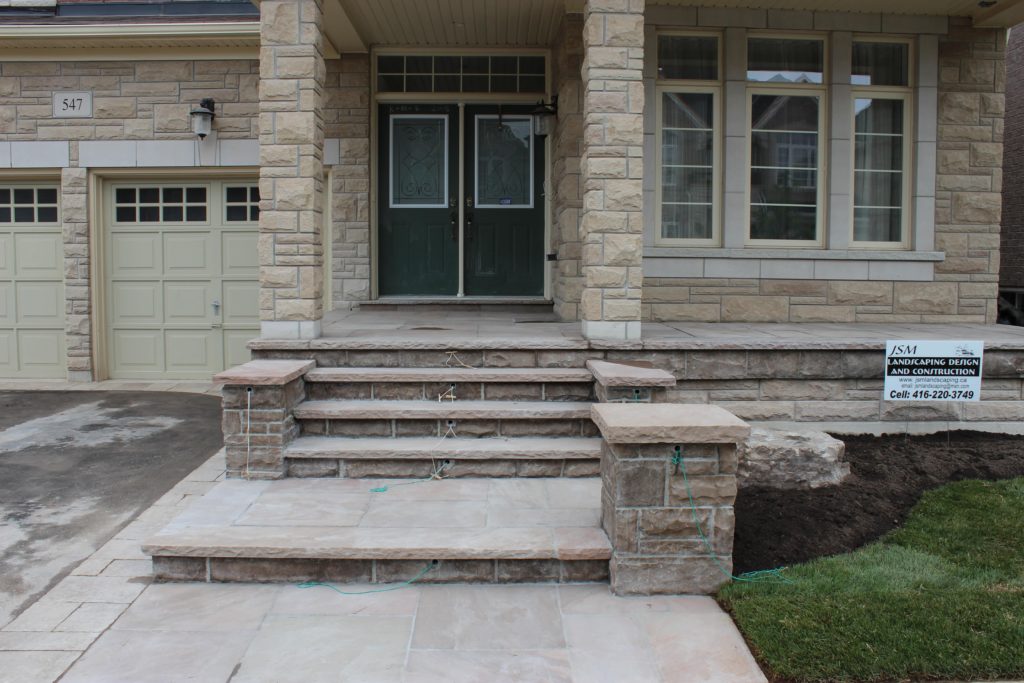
[
  {"x": 31, "y": 282},
  {"x": 182, "y": 278}
]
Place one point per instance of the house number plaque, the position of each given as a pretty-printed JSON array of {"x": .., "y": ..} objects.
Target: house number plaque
[{"x": 72, "y": 105}]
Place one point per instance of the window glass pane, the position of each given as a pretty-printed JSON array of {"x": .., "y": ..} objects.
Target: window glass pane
[
  {"x": 254, "y": 193},
  {"x": 475, "y": 65},
  {"x": 881, "y": 64},
  {"x": 531, "y": 84},
  {"x": 5, "y": 196},
  {"x": 5, "y": 214},
  {"x": 149, "y": 195},
  {"x": 877, "y": 225},
  {"x": 46, "y": 195},
  {"x": 687, "y": 165},
  {"x": 235, "y": 194},
  {"x": 195, "y": 195},
  {"x": 784, "y": 167},
  {"x": 47, "y": 214},
  {"x": 448, "y": 65},
  {"x": 24, "y": 196},
  {"x": 195, "y": 213},
  {"x": 447, "y": 83},
  {"x": 878, "y": 170},
  {"x": 531, "y": 65},
  {"x": 686, "y": 221},
  {"x": 504, "y": 159},
  {"x": 688, "y": 57},
  {"x": 475, "y": 84},
  {"x": 125, "y": 214},
  {"x": 125, "y": 195},
  {"x": 419, "y": 161},
  {"x": 503, "y": 65},
  {"x": 390, "y": 64},
  {"x": 254, "y": 213},
  {"x": 390, "y": 83},
  {"x": 419, "y": 83},
  {"x": 503, "y": 84},
  {"x": 172, "y": 213},
  {"x": 236, "y": 213},
  {"x": 785, "y": 60},
  {"x": 783, "y": 222},
  {"x": 24, "y": 214},
  {"x": 419, "y": 65},
  {"x": 173, "y": 195},
  {"x": 149, "y": 214}
]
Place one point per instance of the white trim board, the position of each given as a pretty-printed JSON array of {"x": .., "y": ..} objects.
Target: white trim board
[{"x": 130, "y": 153}]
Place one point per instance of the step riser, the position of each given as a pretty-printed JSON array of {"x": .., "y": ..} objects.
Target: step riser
[
  {"x": 396, "y": 358},
  {"x": 468, "y": 391},
  {"x": 462, "y": 428},
  {"x": 455, "y": 468},
  {"x": 216, "y": 569}
]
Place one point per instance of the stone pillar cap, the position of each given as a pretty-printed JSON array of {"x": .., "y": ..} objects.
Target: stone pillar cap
[
  {"x": 264, "y": 373},
  {"x": 669, "y": 423}
]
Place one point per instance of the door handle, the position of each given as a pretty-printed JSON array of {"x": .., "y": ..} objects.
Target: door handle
[
  {"x": 216, "y": 307},
  {"x": 454, "y": 215},
  {"x": 469, "y": 226}
]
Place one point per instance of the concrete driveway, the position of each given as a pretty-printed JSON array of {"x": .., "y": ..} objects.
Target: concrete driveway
[{"x": 75, "y": 467}]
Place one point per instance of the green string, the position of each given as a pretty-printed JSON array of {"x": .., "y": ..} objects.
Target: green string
[
  {"x": 434, "y": 476},
  {"x": 397, "y": 586},
  {"x": 770, "y": 575}
]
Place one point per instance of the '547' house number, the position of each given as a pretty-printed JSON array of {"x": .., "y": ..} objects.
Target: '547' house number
[{"x": 72, "y": 105}]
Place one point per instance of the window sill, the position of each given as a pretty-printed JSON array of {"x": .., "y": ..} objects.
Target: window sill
[{"x": 783, "y": 253}]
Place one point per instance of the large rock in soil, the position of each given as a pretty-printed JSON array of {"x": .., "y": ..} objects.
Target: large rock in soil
[{"x": 791, "y": 460}]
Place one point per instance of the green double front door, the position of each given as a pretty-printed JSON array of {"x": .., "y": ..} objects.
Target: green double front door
[{"x": 498, "y": 187}]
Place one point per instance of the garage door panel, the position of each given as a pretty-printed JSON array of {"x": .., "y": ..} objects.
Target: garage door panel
[
  {"x": 7, "y": 308},
  {"x": 6, "y": 256},
  {"x": 241, "y": 303},
  {"x": 236, "y": 350},
  {"x": 188, "y": 303},
  {"x": 192, "y": 351},
  {"x": 135, "y": 255},
  {"x": 136, "y": 303},
  {"x": 240, "y": 253},
  {"x": 137, "y": 351},
  {"x": 38, "y": 256},
  {"x": 40, "y": 303},
  {"x": 8, "y": 353},
  {"x": 188, "y": 254},
  {"x": 42, "y": 352}
]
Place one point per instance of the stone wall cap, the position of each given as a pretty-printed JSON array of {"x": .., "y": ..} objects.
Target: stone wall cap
[
  {"x": 629, "y": 375},
  {"x": 264, "y": 372},
  {"x": 671, "y": 423}
]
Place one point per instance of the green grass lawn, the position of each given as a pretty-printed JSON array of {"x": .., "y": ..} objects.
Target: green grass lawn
[{"x": 940, "y": 598}]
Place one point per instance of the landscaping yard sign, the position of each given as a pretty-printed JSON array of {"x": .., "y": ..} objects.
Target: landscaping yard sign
[{"x": 933, "y": 370}]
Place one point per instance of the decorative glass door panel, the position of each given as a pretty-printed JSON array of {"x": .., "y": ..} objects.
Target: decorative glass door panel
[{"x": 419, "y": 239}]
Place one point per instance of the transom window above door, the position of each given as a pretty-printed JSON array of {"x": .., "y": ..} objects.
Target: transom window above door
[{"x": 462, "y": 74}]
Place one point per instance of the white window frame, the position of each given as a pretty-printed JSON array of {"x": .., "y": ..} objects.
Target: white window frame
[
  {"x": 687, "y": 86},
  {"x": 889, "y": 92},
  {"x": 391, "y": 162},
  {"x": 821, "y": 90},
  {"x": 476, "y": 159},
  {"x": 248, "y": 203},
  {"x": 185, "y": 186},
  {"x": 34, "y": 186}
]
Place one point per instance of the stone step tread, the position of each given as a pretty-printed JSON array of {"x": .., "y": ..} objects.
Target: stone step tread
[
  {"x": 413, "y": 543},
  {"x": 452, "y": 375},
  {"x": 498, "y": 448},
  {"x": 438, "y": 410}
]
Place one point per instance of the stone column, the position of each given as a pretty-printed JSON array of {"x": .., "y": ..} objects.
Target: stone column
[
  {"x": 661, "y": 541},
  {"x": 291, "y": 250},
  {"x": 612, "y": 168},
  {"x": 77, "y": 295}
]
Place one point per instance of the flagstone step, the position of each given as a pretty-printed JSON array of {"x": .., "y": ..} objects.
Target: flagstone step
[
  {"x": 441, "y": 410},
  {"x": 317, "y": 456},
  {"x": 477, "y": 530},
  {"x": 493, "y": 384}
]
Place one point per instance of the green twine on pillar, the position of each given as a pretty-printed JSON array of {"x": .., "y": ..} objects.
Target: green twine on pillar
[{"x": 762, "y": 575}]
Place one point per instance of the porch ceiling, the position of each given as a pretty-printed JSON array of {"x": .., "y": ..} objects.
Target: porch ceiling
[{"x": 355, "y": 25}]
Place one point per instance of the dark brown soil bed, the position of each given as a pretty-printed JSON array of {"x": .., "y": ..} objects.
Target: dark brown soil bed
[{"x": 775, "y": 527}]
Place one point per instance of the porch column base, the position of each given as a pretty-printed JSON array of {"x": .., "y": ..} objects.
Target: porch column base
[
  {"x": 611, "y": 329},
  {"x": 290, "y": 329}
]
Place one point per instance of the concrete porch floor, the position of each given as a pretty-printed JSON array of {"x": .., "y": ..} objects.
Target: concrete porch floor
[{"x": 481, "y": 326}]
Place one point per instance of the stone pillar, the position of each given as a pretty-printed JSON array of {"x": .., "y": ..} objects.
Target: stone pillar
[
  {"x": 612, "y": 168},
  {"x": 258, "y": 400},
  {"x": 291, "y": 250},
  {"x": 77, "y": 294},
  {"x": 646, "y": 511}
]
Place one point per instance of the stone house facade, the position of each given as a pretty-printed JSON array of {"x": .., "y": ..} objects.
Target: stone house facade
[{"x": 700, "y": 163}]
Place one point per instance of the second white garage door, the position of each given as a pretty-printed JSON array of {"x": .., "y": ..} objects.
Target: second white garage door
[{"x": 182, "y": 294}]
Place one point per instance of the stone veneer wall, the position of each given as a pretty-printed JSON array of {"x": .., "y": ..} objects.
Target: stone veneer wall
[
  {"x": 144, "y": 100},
  {"x": 347, "y": 119},
  {"x": 967, "y": 221},
  {"x": 566, "y": 142},
  {"x": 1011, "y": 270}
]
